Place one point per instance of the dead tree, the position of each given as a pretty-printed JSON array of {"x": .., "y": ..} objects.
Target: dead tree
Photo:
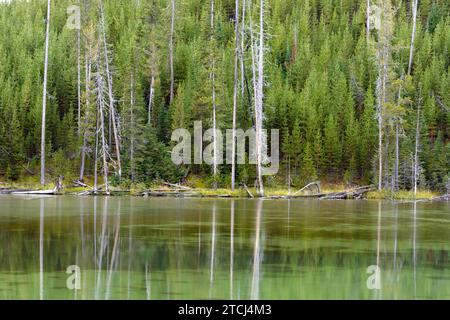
[
  {"x": 236, "y": 55},
  {"x": 132, "y": 127},
  {"x": 113, "y": 115},
  {"x": 368, "y": 20},
  {"x": 213, "y": 94},
  {"x": 79, "y": 81},
  {"x": 101, "y": 103},
  {"x": 416, "y": 151},
  {"x": 259, "y": 100},
  {"x": 383, "y": 63},
  {"x": 44, "y": 94},
  {"x": 88, "y": 67},
  {"x": 415, "y": 4},
  {"x": 172, "y": 27},
  {"x": 150, "y": 99}
]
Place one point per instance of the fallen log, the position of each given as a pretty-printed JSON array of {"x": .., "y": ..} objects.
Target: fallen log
[
  {"x": 348, "y": 194},
  {"x": 445, "y": 197},
  {"x": 177, "y": 186},
  {"x": 35, "y": 192},
  {"x": 78, "y": 183},
  {"x": 160, "y": 194}
]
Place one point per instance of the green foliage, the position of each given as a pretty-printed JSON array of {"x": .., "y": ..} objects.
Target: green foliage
[{"x": 320, "y": 73}]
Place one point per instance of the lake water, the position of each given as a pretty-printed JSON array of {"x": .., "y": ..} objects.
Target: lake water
[{"x": 136, "y": 248}]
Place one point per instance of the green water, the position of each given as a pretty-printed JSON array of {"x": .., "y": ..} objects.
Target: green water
[{"x": 135, "y": 248}]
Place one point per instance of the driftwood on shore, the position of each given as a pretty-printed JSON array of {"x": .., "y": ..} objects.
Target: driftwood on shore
[
  {"x": 356, "y": 193},
  {"x": 28, "y": 192},
  {"x": 445, "y": 197}
]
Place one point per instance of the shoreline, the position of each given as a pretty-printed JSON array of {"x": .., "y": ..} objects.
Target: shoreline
[{"x": 223, "y": 193}]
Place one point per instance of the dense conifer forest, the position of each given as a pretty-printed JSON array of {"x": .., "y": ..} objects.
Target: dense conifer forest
[{"x": 360, "y": 90}]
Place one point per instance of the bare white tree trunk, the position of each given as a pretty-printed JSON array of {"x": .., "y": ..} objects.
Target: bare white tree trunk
[
  {"x": 242, "y": 51},
  {"x": 102, "y": 113},
  {"x": 416, "y": 152},
  {"x": 380, "y": 132},
  {"x": 383, "y": 59},
  {"x": 96, "y": 152},
  {"x": 87, "y": 89},
  {"x": 113, "y": 117},
  {"x": 236, "y": 55},
  {"x": 150, "y": 100},
  {"x": 172, "y": 27},
  {"x": 79, "y": 80},
  {"x": 132, "y": 138},
  {"x": 368, "y": 20},
  {"x": 213, "y": 77},
  {"x": 104, "y": 143},
  {"x": 44, "y": 94},
  {"x": 415, "y": 4},
  {"x": 259, "y": 100},
  {"x": 397, "y": 157}
]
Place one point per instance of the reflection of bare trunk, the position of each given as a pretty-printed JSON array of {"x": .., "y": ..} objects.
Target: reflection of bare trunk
[
  {"x": 102, "y": 247},
  {"x": 414, "y": 245},
  {"x": 231, "y": 249},
  {"x": 395, "y": 240},
  {"x": 95, "y": 233},
  {"x": 213, "y": 251},
  {"x": 378, "y": 233},
  {"x": 113, "y": 254},
  {"x": 82, "y": 227},
  {"x": 130, "y": 253},
  {"x": 378, "y": 272},
  {"x": 148, "y": 282},
  {"x": 256, "y": 254},
  {"x": 41, "y": 249}
]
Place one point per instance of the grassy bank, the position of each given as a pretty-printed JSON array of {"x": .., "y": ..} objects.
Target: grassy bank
[{"x": 200, "y": 190}]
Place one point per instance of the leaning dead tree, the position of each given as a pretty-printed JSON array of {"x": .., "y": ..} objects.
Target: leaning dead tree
[{"x": 44, "y": 94}]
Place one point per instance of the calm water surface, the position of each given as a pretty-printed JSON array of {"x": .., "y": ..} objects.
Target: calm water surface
[{"x": 135, "y": 248}]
